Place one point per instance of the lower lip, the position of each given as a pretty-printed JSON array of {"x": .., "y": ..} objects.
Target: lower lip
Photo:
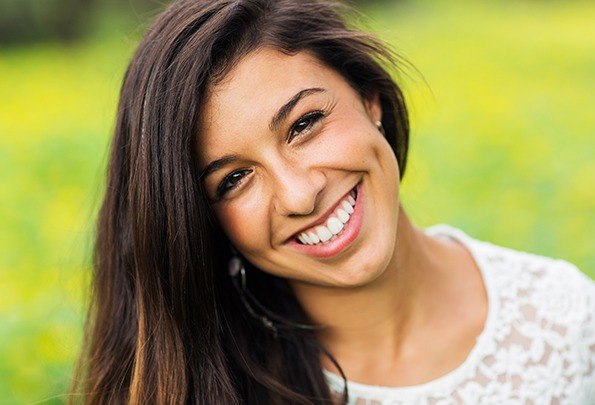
[{"x": 343, "y": 239}]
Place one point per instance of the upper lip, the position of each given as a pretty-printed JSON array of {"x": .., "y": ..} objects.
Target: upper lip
[{"x": 323, "y": 217}]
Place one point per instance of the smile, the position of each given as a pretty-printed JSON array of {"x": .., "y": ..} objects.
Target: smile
[
  {"x": 333, "y": 226},
  {"x": 336, "y": 232}
]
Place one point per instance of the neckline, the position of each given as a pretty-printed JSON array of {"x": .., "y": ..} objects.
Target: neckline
[{"x": 468, "y": 366}]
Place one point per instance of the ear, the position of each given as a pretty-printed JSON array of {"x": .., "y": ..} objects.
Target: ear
[{"x": 373, "y": 107}]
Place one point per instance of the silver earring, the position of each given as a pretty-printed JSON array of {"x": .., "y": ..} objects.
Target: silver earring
[
  {"x": 380, "y": 127},
  {"x": 236, "y": 268},
  {"x": 237, "y": 271}
]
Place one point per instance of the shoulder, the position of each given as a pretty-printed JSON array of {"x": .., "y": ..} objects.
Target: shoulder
[
  {"x": 557, "y": 289},
  {"x": 541, "y": 321},
  {"x": 545, "y": 316},
  {"x": 552, "y": 289},
  {"x": 517, "y": 273}
]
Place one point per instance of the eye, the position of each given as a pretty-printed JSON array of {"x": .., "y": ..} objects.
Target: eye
[
  {"x": 305, "y": 124},
  {"x": 231, "y": 181}
]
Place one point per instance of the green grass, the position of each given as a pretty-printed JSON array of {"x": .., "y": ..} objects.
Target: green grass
[{"x": 502, "y": 146}]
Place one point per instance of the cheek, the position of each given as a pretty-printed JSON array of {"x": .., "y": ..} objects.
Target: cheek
[
  {"x": 245, "y": 222},
  {"x": 358, "y": 146}
]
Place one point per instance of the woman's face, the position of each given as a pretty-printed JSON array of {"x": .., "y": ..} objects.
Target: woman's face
[{"x": 286, "y": 146}]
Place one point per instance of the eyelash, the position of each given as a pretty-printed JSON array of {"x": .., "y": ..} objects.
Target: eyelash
[
  {"x": 222, "y": 189},
  {"x": 310, "y": 119}
]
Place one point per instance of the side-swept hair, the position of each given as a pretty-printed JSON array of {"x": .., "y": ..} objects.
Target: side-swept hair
[{"x": 165, "y": 324}]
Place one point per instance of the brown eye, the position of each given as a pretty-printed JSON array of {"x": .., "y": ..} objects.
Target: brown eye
[
  {"x": 305, "y": 124},
  {"x": 231, "y": 181}
]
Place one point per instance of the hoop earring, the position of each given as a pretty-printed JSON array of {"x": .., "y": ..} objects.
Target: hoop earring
[
  {"x": 237, "y": 271},
  {"x": 380, "y": 127}
]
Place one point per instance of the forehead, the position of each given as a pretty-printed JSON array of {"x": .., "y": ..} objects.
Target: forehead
[
  {"x": 262, "y": 74},
  {"x": 250, "y": 94}
]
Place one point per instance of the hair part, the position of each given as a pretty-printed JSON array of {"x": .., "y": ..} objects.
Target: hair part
[{"x": 163, "y": 326}]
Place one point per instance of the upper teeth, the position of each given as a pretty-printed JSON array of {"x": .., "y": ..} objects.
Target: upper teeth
[{"x": 333, "y": 225}]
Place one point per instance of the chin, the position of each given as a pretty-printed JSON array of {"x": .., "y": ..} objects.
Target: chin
[{"x": 370, "y": 264}]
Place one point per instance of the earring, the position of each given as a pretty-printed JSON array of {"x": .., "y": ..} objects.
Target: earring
[
  {"x": 237, "y": 271},
  {"x": 380, "y": 127}
]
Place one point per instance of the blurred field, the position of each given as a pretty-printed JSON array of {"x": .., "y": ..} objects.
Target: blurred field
[{"x": 502, "y": 146}]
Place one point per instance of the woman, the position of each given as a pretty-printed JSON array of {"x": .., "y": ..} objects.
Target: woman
[{"x": 252, "y": 249}]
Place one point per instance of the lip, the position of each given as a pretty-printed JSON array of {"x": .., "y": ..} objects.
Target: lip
[
  {"x": 324, "y": 217},
  {"x": 344, "y": 238}
]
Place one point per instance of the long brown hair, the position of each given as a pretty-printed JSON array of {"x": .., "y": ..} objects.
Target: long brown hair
[{"x": 165, "y": 324}]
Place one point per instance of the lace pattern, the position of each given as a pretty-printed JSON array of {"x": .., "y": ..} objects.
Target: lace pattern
[{"x": 537, "y": 346}]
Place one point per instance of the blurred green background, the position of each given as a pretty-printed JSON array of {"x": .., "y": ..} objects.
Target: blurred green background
[{"x": 502, "y": 146}]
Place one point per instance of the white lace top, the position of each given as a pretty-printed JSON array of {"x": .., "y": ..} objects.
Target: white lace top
[{"x": 537, "y": 345}]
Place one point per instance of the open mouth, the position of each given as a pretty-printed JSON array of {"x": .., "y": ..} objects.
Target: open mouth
[{"x": 333, "y": 226}]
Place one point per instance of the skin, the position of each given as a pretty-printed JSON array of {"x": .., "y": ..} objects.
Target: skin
[{"x": 386, "y": 297}]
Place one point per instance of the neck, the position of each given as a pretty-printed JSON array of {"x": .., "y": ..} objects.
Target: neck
[
  {"x": 388, "y": 300},
  {"x": 372, "y": 325}
]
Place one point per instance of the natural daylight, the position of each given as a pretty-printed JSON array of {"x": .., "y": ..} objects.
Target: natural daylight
[{"x": 501, "y": 105}]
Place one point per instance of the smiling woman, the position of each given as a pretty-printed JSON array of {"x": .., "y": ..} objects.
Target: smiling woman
[
  {"x": 295, "y": 171},
  {"x": 252, "y": 247}
]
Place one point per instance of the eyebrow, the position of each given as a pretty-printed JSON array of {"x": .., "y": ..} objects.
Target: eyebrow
[
  {"x": 276, "y": 121},
  {"x": 285, "y": 110},
  {"x": 217, "y": 164}
]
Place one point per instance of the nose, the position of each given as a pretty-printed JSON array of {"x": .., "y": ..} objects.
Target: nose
[{"x": 296, "y": 188}]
